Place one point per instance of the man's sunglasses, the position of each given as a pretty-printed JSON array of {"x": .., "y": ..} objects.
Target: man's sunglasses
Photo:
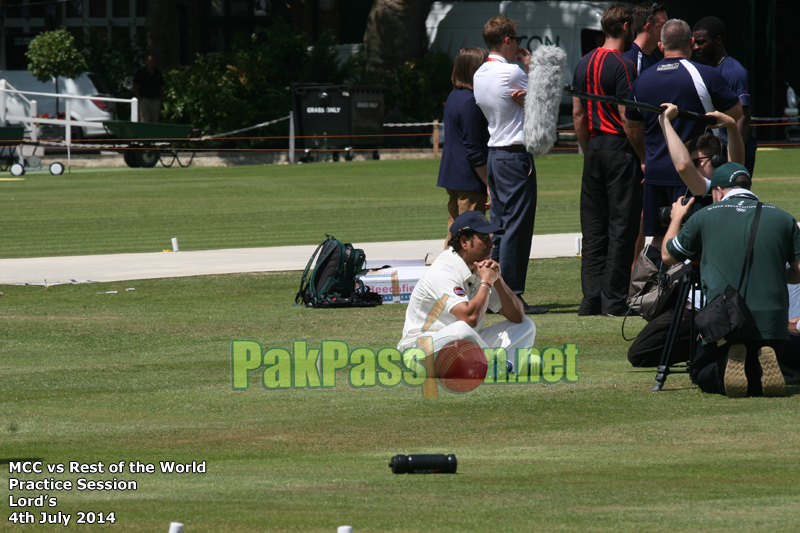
[
  {"x": 518, "y": 39},
  {"x": 655, "y": 8}
]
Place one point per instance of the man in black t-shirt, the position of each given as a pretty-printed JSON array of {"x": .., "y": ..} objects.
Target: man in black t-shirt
[
  {"x": 611, "y": 197},
  {"x": 148, "y": 87}
]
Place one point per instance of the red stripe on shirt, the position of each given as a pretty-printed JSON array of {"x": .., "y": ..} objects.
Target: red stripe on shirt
[{"x": 603, "y": 118}]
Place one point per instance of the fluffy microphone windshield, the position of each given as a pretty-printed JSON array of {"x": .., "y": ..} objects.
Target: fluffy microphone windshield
[{"x": 545, "y": 87}]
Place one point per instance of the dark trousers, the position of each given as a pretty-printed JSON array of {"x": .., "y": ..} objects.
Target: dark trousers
[
  {"x": 648, "y": 347},
  {"x": 791, "y": 353},
  {"x": 708, "y": 371},
  {"x": 750, "y": 165},
  {"x": 512, "y": 182},
  {"x": 611, "y": 205}
]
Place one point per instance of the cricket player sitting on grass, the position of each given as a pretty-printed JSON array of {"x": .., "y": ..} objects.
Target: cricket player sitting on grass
[{"x": 450, "y": 300}]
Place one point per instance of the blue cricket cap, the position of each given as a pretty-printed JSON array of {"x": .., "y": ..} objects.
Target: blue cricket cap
[{"x": 476, "y": 221}]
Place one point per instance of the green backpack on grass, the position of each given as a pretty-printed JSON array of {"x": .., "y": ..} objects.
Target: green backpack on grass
[{"x": 333, "y": 280}]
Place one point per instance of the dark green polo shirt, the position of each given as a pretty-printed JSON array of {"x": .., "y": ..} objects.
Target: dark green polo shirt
[{"x": 719, "y": 234}]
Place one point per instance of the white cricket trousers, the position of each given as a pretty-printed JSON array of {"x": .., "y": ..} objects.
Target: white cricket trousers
[{"x": 507, "y": 335}]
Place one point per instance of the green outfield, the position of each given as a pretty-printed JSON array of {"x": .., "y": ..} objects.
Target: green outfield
[
  {"x": 145, "y": 375},
  {"x": 96, "y": 211}
]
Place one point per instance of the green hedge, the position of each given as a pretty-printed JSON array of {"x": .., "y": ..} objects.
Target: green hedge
[{"x": 251, "y": 83}]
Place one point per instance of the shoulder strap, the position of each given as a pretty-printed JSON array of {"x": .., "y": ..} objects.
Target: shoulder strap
[
  {"x": 700, "y": 86},
  {"x": 304, "y": 281},
  {"x": 753, "y": 230}
]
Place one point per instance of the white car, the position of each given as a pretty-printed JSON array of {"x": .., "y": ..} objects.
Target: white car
[{"x": 87, "y": 84}]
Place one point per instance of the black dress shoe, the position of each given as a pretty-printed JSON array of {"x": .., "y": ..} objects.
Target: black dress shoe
[
  {"x": 589, "y": 307},
  {"x": 532, "y": 310}
]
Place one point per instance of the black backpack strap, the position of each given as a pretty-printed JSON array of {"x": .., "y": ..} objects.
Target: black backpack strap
[
  {"x": 304, "y": 281},
  {"x": 753, "y": 230}
]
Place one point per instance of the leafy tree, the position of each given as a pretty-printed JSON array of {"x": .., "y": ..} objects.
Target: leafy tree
[
  {"x": 395, "y": 33},
  {"x": 52, "y": 54},
  {"x": 115, "y": 62},
  {"x": 420, "y": 88},
  {"x": 249, "y": 84}
]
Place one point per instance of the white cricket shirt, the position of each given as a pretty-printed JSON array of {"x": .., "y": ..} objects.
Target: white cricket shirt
[
  {"x": 447, "y": 283},
  {"x": 492, "y": 85}
]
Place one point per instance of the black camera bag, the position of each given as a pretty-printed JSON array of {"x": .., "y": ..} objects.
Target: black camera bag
[{"x": 727, "y": 316}]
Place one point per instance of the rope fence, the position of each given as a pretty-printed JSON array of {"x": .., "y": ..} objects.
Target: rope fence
[{"x": 194, "y": 144}]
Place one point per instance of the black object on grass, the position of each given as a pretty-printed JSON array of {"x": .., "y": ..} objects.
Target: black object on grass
[{"x": 424, "y": 464}]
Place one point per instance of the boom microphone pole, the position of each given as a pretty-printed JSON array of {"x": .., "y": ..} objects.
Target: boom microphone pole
[{"x": 689, "y": 115}]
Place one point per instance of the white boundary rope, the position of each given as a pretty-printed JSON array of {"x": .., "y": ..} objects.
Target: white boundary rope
[
  {"x": 157, "y": 143},
  {"x": 92, "y": 146},
  {"x": 792, "y": 120},
  {"x": 206, "y": 137},
  {"x": 410, "y": 125}
]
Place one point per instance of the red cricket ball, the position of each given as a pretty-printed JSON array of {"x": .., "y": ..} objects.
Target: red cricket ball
[{"x": 461, "y": 366}]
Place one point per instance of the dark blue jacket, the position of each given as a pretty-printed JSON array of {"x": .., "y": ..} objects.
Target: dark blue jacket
[{"x": 465, "y": 143}]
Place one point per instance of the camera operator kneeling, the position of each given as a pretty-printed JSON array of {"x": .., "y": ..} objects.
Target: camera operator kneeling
[{"x": 719, "y": 234}]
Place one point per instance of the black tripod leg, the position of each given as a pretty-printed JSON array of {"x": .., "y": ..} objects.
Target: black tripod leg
[
  {"x": 680, "y": 305},
  {"x": 692, "y": 311}
]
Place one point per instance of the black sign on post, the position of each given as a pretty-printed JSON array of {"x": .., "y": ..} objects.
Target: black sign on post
[{"x": 338, "y": 116}]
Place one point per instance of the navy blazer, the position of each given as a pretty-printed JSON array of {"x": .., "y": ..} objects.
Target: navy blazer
[{"x": 465, "y": 143}]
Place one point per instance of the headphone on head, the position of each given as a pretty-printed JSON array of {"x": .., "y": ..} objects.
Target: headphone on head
[{"x": 722, "y": 157}]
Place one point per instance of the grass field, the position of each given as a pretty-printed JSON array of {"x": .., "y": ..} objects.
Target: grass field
[
  {"x": 145, "y": 375},
  {"x": 94, "y": 211}
]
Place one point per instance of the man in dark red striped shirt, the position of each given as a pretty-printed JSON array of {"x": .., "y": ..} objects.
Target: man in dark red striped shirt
[{"x": 611, "y": 193}]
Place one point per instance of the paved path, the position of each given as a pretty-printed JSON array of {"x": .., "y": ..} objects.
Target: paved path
[{"x": 123, "y": 267}]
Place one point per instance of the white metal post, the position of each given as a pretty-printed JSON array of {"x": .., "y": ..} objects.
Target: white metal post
[
  {"x": 134, "y": 109},
  {"x": 3, "y": 95},
  {"x": 34, "y": 125},
  {"x": 69, "y": 133},
  {"x": 68, "y": 118}
]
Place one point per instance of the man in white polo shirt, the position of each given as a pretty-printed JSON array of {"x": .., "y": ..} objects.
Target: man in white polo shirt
[
  {"x": 450, "y": 300},
  {"x": 500, "y": 87}
]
